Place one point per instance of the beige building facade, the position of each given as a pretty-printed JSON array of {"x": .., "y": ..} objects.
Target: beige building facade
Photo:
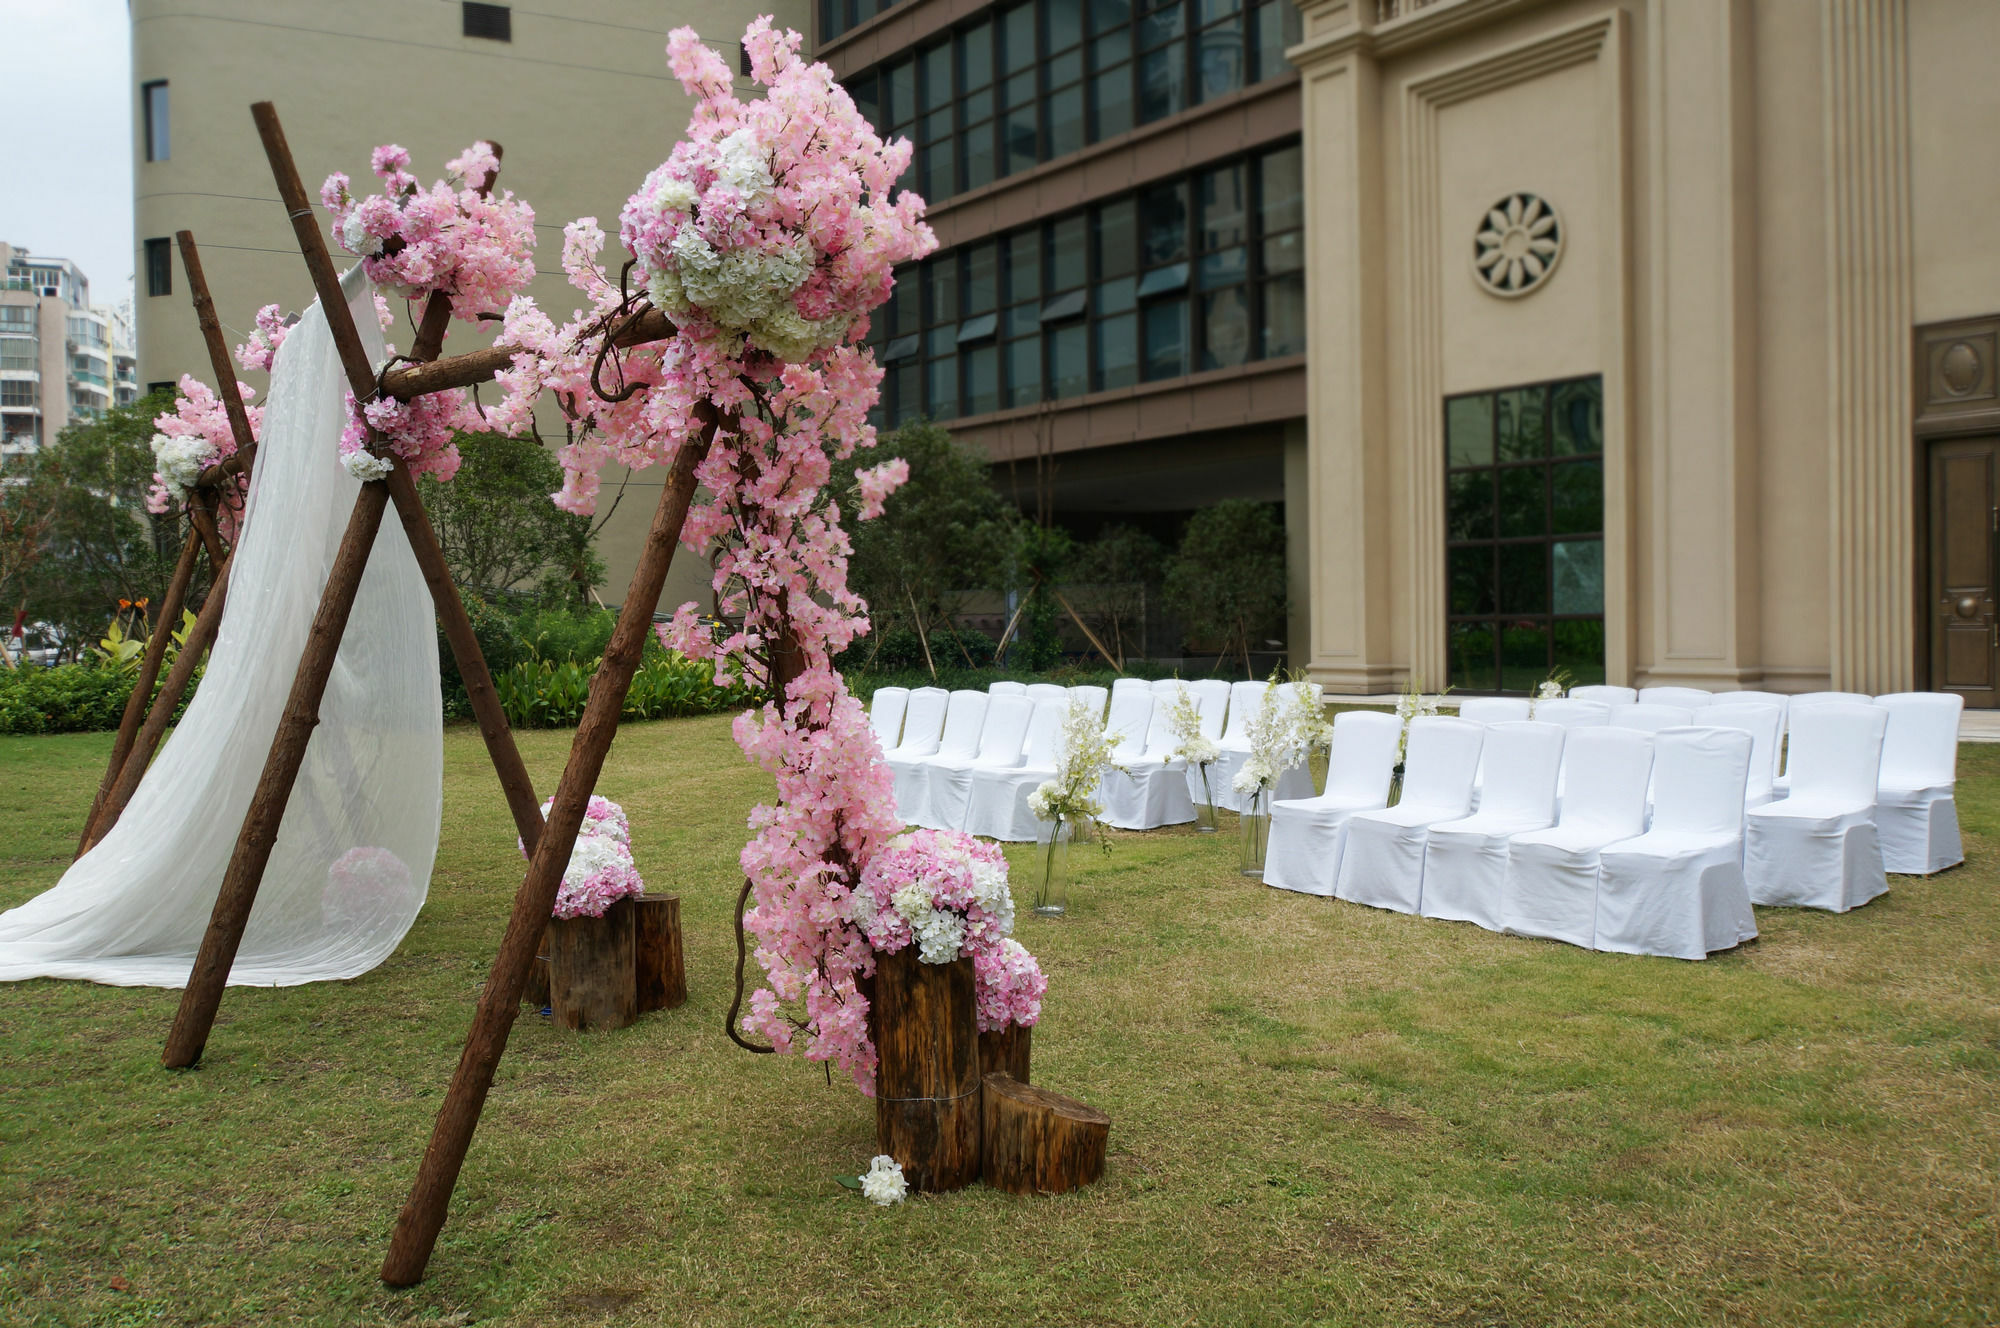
[
  {"x": 1652, "y": 338},
  {"x": 578, "y": 95},
  {"x": 61, "y": 358}
]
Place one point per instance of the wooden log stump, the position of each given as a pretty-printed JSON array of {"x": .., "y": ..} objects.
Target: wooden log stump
[
  {"x": 1007, "y": 1051},
  {"x": 590, "y": 970},
  {"x": 536, "y": 992},
  {"x": 661, "y": 976},
  {"x": 927, "y": 1082},
  {"x": 1038, "y": 1142}
]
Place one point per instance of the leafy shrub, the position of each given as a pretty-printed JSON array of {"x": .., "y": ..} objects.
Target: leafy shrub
[
  {"x": 73, "y": 698},
  {"x": 543, "y": 693}
]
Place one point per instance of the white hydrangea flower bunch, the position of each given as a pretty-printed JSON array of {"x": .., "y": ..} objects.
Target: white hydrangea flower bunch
[
  {"x": 1551, "y": 688},
  {"x": 1190, "y": 743},
  {"x": 944, "y": 886},
  {"x": 1086, "y": 752},
  {"x": 883, "y": 1183},
  {"x": 180, "y": 461}
]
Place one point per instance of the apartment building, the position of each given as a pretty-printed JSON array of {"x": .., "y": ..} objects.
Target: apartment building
[
  {"x": 60, "y": 357},
  {"x": 578, "y": 96}
]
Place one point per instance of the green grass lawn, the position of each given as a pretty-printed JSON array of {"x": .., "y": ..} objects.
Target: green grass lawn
[{"x": 1321, "y": 1113}]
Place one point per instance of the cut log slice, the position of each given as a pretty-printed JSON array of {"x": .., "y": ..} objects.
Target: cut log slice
[
  {"x": 1006, "y": 1050},
  {"x": 590, "y": 969},
  {"x": 1038, "y": 1142},
  {"x": 927, "y": 1081},
  {"x": 661, "y": 977}
]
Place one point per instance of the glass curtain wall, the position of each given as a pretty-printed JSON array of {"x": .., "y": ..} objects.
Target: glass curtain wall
[
  {"x": 1201, "y": 272},
  {"x": 1037, "y": 80},
  {"x": 1524, "y": 531}
]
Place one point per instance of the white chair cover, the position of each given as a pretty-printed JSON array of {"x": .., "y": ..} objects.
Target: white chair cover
[
  {"x": 1465, "y": 861},
  {"x": 1572, "y": 714},
  {"x": 1244, "y": 700},
  {"x": 998, "y": 805},
  {"x": 923, "y": 725},
  {"x": 1692, "y": 698},
  {"x": 1006, "y": 687},
  {"x": 957, "y": 728},
  {"x": 1091, "y": 695},
  {"x": 1382, "y": 857},
  {"x": 1130, "y": 685},
  {"x": 1823, "y": 698},
  {"x": 1131, "y": 712},
  {"x": 351, "y": 865},
  {"x": 1651, "y": 717},
  {"x": 885, "y": 714},
  {"x": 1750, "y": 696},
  {"x": 1494, "y": 709},
  {"x": 1817, "y": 847},
  {"x": 1211, "y": 702},
  {"x": 1764, "y": 725},
  {"x": 1604, "y": 694},
  {"x": 1047, "y": 691},
  {"x": 1303, "y": 852},
  {"x": 948, "y": 786},
  {"x": 1916, "y": 812},
  {"x": 1152, "y": 790},
  {"x": 1552, "y": 874},
  {"x": 1678, "y": 889},
  {"x": 1166, "y": 688}
]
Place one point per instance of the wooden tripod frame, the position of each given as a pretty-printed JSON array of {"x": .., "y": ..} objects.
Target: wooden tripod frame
[{"x": 549, "y": 846}]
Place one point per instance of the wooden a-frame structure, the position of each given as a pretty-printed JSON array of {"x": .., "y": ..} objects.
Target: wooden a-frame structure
[{"x": 549, "y": 845}]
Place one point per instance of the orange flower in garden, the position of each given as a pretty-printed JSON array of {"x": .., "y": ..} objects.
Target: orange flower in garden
[
  {"x": 142, "y": 603},
  {"x": 124, "y": 604}
]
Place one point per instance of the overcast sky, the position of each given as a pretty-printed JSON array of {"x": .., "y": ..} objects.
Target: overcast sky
[{"x": 66, "y": 178}]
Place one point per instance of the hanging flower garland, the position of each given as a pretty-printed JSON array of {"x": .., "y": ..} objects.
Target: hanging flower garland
[
  {"x": 764, "y": 239},
  {"x": 456, "y": 239}
]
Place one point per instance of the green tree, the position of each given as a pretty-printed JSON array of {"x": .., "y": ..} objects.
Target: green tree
[
  {"x": 943, "y": 533},
  {"x": 500, "y": 532},
  {"x": 1042, "y": 555},
  {"x": 81, "y": 535},
  {"x": 1227, "y": 579},
  {"x": 1123, "y": 568}
]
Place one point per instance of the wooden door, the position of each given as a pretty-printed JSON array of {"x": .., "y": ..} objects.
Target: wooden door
[{"x": 1964, "y": 526}]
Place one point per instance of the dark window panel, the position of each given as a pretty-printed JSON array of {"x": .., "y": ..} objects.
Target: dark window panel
[
  {"x": 1468, "y": 431},
  {"x": 1469, "y": 505},
  {"x": 493, "y": 22},
  {"x": 981, "y": 328},
  {"x": 1162, "y": 82},
  {"x": 1020, "y": 131},
  {"x": 1069, "y": 360},
  {"x": 1063, "y": 307},
  {"x": 1470, "y": 573},
  {"x": 1219, "y": 60},
  {"x": 1065, "y": 23},
  {"x": 1225, "y": 328},
  {"x": 159, "y": 267},
  {"x": 1281, "y": 190},
  {"x": 1524, "y": 655},
  {"x": 937, "y": 76},
  {"x": 1110, "y": 15},
  {"x": 1067, "y": 239},
  {"x": 1472, "y": 654},
  {"x": 1524, "y": 578},
  {"x": 941, "y": 275},
  {"x": 1284, "y": 316},
  {"x": 1577, "y": 571},
  {"x": 1225, "y": 206},
  {"x": 1017, "y": 39},
  {"x": 1524, "y": 424},
  {"x": 1276, "y": 25},
  {"x": 1285, "y": 253},
  {"x": 1117, "y": 342},
  {"x": 1163, "y": 224},
  {"x": 1578, "y": 504},
  {"x": 1113, "y": 48},
  {"x": 1226, "y": 267},
  {"x": 982, "y": 380},
  {"x": 1024, "y": 265},
  {"x": 975, "y": 56},
  {"x": 1166, "y": 339},
  {"x": 1162, "y": 26},
  {"x": 1115, "y": 296},
  {"x": 900, "y": 91},
  {"x": 1163, "y": 279},
  {"x": 1524, "y": 502},
  {"x": 1579, "y": 647},
  {"x": 1024, "y": 371},
  {"x": 1117, "y": 237},
  {"x": 1576, "y": 412},
  {"x": 943, "y": 395},
  {"x": 1111, "y": 102},
  {"x": 1063, "y": 115}
]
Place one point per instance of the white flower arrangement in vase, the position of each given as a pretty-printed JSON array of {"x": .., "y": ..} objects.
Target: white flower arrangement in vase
[
  {"x": 1277, "y": 743},
  {"x": 1551, "y": 688},
  {"x": 1197, "y": 749},
  {"x": 1068, "y": 803}
]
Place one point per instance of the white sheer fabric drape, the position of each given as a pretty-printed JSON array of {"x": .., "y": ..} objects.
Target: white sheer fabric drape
[{"x": 353, "y": 856}]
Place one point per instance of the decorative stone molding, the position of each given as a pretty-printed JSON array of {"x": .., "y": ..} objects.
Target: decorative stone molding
[
  {"x": 1516, "y": 245},
  {"x": 1869, "y": 281}
]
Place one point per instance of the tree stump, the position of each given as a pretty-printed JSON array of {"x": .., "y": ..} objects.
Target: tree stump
[
  {"x": 661, "y": 976},
  {"x": 1006, "y": 1051},
  {"x": 590, "y": 969},
  {"x": 536, "y": 992},
  {"x": 927, "y": 1082},
  {"x": 1038, "y": 1142}
]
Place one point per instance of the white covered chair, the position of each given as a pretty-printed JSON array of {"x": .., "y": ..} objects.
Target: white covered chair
[
  {"x": 1678, "y": 889},
  {"x": 1211, "y": 702},
  {"x": 1465, "y": 860},
  {"x": 1303, "y": 853},
  {"x": 885, "y": 714},
  {"x": 964, "y": 716},
  {"x": 1750, "y": 696},
  {"x": 923, "y": 725},
  {"x": 1047, "y": 691},
  {"x": 1131, "y": 712},
  {"x": 1551, "y": 888},
  {"x": 1245, "y": 698},
  {"x": 1765, "y": 725},
  {"x": 1651, "y": 717},
  {"x": 1091, "y": 695},
  {"x": 949, "y": 785},
  {"x": 998, "y": 804},
  {"x": 1494, "y": 709},
  {"x": 1151, "y": 789},
  {"x": 1572, "y": 714},
  {"x": 1804, "y": 699},
  {"x": 1165, "y": 689},
  {"x": 1817, "y": 847},
  {"x": 1006, "y": 687},
  {"x": 1130, "y": 685},
  {"x": 1693, "y": 698},
  {"x": 1605, "y": 693},
  {"x": 1916, "y": 812},
  {"x": 1382, "y": 857}
]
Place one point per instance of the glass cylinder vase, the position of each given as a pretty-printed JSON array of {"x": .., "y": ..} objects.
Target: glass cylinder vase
[
  {"x": 1204, "y": 811},
  {"x": 1058, "y": 837},
  {"x": 1255, "y": 822}
]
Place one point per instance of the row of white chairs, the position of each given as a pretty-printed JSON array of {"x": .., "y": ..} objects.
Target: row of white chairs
[
  {"x": 1652, "y": 851},
  {"x": 968, "y": 760},
  {"x": 1915, "y": 811}
]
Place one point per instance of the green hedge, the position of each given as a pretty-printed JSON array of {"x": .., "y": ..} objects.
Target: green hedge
[
  {"x": 545, "y": 694},
  {"x": 74, "y": 698}
]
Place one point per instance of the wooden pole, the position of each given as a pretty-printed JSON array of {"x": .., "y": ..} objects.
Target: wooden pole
[
  {"x": 142, "y": 686},
  {"x": 274, "y": 786},
  {"x": 218, "y": 351},
  {"x": 203, "y": 521},
  {"x": 206, "y": 624},
  {"x": 424, "y": 1212},
  {"x": 479, "y": 366}
]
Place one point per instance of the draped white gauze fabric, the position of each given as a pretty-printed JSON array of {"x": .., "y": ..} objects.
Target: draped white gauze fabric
[{"x": 353, "y": 855}]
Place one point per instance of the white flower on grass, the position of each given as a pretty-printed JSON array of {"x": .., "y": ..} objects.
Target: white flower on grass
[{"x": 884, "y": 1184}]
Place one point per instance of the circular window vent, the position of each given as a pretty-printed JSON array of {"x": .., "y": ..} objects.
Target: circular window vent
[{"x": 1517, "y": 245}]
